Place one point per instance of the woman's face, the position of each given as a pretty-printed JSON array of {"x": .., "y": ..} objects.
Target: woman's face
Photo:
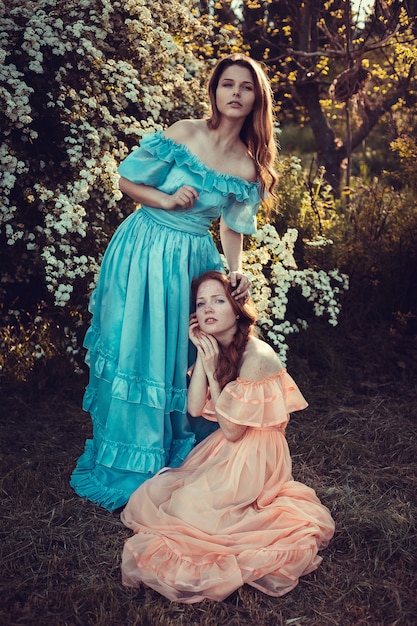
[
  {"x": 235, "y": 93},
  {"x": 215, "y": 313}
]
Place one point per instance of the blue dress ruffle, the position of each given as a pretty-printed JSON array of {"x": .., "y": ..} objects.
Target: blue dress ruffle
[{"x": 137, "y": 344}]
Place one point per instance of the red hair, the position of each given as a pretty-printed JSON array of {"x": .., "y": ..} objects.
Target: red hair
[{"x": 231, "y": 355}]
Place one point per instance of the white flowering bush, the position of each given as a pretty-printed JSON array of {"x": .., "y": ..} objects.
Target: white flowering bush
[
  {"x": 271, "y": 266},
  {"x": 292, "y": 274},
  {"x": 80, "y": 83}
]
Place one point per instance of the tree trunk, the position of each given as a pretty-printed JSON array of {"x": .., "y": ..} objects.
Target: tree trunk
[{"x": 328, "y": 147}]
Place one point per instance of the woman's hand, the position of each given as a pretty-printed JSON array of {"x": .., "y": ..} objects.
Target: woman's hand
[
  {"x": 194, "y": 332},
  {"x": 183, "y": 198},
  {"x": 208, "y": 349},
  {"x": 241, "y": 285},
  {"x": 150, "y": 196},
  {"x": 207, "y": 346}
]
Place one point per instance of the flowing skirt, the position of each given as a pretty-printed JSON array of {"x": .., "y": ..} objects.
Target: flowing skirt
[
  {"x": 231, "y": 514},
  {"x": 138, "y": 355}
]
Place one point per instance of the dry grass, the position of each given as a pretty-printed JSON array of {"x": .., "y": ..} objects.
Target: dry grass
[{"x": 356, "y": 445}]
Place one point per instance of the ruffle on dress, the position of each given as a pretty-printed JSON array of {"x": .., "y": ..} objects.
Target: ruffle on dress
[
  {"x": 87, "y": 479},
  {"x": 130, "y": 456},
  {"x": 167, "y": 150},
  {"x": 213, "y": 576},
  {"x": 150, "y": 162},
  {"x": 130, "y": 388},
  {"x": 259, "y": 404},
  {"x": 91, "y": 474}
]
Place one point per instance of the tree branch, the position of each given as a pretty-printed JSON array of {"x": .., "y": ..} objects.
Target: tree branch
[
  {"x": 374, "y": 113},
  {"x": 334, "y": 54}
]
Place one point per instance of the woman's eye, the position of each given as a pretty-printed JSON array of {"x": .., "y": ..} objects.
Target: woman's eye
[{"x": 200, "y": 304}]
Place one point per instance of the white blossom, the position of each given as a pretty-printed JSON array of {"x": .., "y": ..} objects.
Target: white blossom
[{"x": 273, "y": 256}]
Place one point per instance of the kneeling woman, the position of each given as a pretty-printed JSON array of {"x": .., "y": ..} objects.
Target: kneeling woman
[{"x": 231, "y": 513}]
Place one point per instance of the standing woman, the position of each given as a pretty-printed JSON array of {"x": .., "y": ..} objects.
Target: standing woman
[{"x": 137, "y": 344}]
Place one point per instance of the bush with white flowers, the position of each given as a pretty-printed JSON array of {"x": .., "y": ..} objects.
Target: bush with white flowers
[
  {"x": 79, "y": 85},
  {"x": 271, "y": 266}
]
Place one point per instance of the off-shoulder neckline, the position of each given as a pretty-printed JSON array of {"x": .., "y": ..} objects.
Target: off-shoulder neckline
[
  {"x": 243, "y": 381},
  {"x": 203, "y": 165}
]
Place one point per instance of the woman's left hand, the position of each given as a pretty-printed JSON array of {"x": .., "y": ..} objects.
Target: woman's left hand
[{"x": 241, "y": 285}]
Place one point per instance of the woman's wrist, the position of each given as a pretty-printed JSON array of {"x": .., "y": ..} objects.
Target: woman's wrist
[{"x": 165, "y": 201}]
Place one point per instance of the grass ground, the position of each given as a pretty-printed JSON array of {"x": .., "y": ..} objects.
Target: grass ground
[{"x": 356, "y": 445}]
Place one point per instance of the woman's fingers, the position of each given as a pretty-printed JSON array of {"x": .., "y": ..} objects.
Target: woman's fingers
[
  {"x": 242, "y": 284},
  {"x": 194, "y": 330},
  {"x": 185, "y": 196},
  {"x": 208, "y": 346}
]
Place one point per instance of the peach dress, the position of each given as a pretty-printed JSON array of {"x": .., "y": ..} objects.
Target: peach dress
[{"x": 231, "y": 513}]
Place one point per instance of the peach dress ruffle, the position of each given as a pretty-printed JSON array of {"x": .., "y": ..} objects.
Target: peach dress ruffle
[{"x": 231, "y": 513}]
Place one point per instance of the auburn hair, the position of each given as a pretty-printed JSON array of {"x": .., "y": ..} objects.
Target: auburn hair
[
  {"x": 258, "y": 129},
  {"x": 230, "y": 356}
]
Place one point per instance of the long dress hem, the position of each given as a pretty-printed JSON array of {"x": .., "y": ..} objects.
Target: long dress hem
[
  {"x": 137, "y": 345},
  {"x": 232, "y": 512}
]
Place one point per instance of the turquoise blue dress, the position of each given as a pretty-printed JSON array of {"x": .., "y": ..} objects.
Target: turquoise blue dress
[{"x": 137, "y": 344}]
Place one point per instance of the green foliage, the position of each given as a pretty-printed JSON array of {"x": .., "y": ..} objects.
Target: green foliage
[
  {"x": 31, "y": 345},
  {"x": 23, "y": 346},
  {"x": 405, "y": 147},
  {"x": 306, "y": 201},
  {"x": 369, "y": 235},
  {"x": 378, "y": 248},
  {"x": 333, "y": 69}
]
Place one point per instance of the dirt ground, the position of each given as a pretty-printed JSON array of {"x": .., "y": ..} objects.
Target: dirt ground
[{"x": 356, "y": 445}]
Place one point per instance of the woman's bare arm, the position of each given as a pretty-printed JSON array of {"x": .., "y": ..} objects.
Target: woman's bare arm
[{"x": 150, "y": 196}]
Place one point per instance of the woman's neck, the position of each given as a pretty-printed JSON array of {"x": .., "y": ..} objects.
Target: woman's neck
[{"x": 227, "y": 134}]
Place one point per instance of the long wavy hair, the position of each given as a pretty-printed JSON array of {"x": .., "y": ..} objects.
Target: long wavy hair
[
  {"x": 258, "y": 129},
  {"x": 230, "y": 357}
]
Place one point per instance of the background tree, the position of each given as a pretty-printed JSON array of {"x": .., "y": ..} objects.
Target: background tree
[{"x": 332, "y": 69}]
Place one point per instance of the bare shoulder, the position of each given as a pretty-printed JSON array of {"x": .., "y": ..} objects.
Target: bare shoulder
[
  {"x": 259, "y": 361},
  {"x": 242, "y": 163},
  {"x": 248, "y": 168},
  {"x": 183, "y": 130}
]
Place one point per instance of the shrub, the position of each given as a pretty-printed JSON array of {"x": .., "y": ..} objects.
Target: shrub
[{"x": 80, "y": 82}]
